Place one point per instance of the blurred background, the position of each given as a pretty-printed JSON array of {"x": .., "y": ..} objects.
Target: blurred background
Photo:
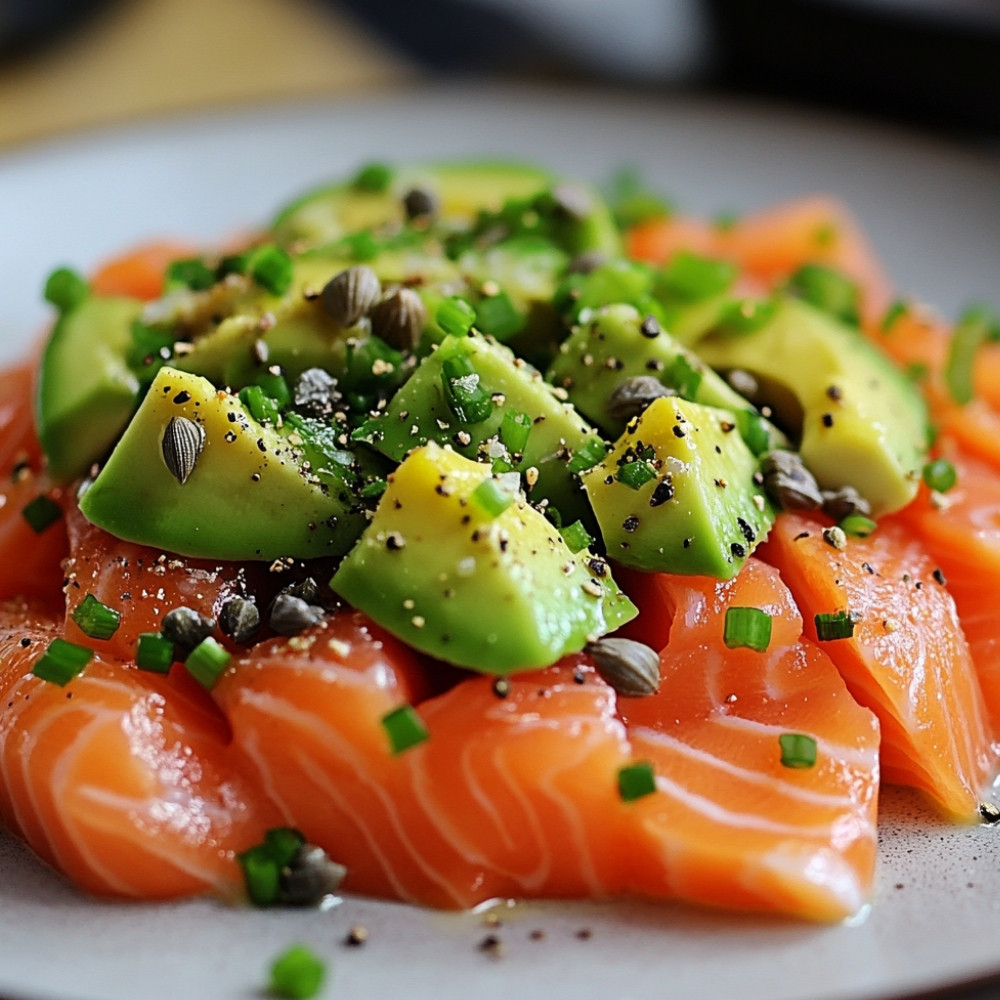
[{"x": 931, "y": 64}]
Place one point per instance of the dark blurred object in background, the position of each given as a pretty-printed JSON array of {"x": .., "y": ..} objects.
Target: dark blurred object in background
[
  {"x": 27, "y": 24},
  {"x": 929, "y": 62},
  {"x": 934, "y": 63}
]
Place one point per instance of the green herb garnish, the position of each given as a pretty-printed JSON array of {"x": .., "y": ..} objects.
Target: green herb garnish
[
  {"x": 749, "y": 627},
  {"x": 797, "y": 750},
  {"x": 62, "y": 661},
  {"x": 95, "y": 619}
]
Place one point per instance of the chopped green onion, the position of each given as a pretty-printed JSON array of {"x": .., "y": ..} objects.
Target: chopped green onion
[
  {"x": 940, "y": 475},
  {"x": 632, "y": 202},
  {"x": 827, "y": 289},
  {"x": 361, "y": 246},
  {"x": 374, "y": 177},
  {"x": 973, "y": 329},
  {"x": 404, "y": 728},
  {"x": 62, "y": 661},
  {"x": 744, "y": 316},
  {"x": 192, "y": 273},
  {"x": 635, "y": 474},
  {"x": 65, "y": 289},
  {"x": 455, "y": 316},
  {"x": 587, "y": 455},
  {"x": 683, "y": 376},
  {"x": 297, "y": 974},
  {"x": 374, "y": 489},
  {"x": 41, "y": 513},
  {"x": 576, "y": 537},
  {"x": 749, "y": 627},
  {"x": 271, "y": 268},
  {"x": 635, "y": 781},
  {"x": 834, "y": 625},
  {"x": 895, "y": 312},
  {"x": 754, "y": 430},
  {"x": 497, "y": 316},
  {"x": 149, "y": 348},
  {"x": 276, "y": 386},
  {"x": 797, "y": 750},
  {"x": 857, "y": 525},
  {"x": 207, "y": 662},
  {"x": 262, "y": 864},
  {"x": 491, "y": 498},
  {"x": 468, "y": 400},
  {"x": 95, "y": 619},
  {"x": 154, "y": 652},
  {"x": 515, "y": 429},
  {"x": 695, "y": 278},
  {"x": 260, "y": 405},
  {"x": 235, "y": 263}
]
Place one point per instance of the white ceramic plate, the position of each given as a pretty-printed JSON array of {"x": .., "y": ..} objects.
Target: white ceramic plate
[{"x": 933, "y": 215}]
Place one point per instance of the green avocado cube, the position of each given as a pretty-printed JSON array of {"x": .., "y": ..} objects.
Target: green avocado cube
[
  {"x": 430, "y": 407},
  {"x": 457, "y": 565},
  {"x": 679, "y": 493},
  {"x": 195, "y": 474}
]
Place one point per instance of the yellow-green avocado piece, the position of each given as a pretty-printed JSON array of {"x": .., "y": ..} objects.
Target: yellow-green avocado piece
[
  {"x": 247, "y": 494},
  {"x": 863, "y": 422},
  {"x": 460, "y": 190},
  {"x": 450, "y": 575},
  {"x": 678, "y": 493},
  {"x": 86, "y": 391}
]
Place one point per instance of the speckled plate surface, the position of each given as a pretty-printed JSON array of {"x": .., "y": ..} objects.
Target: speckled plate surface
[{"x": 933, "y": 215}]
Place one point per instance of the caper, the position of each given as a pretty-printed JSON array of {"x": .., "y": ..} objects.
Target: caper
[
  {"x": 185, "y": 627},
  {"x": 632, "y": 668},
  {"x": 399, "y": 319},
  {"x": 788, "y": 482},
  {"x": 309, "y": 877},
  {"x": 632, "y": 395},
  {"x": 844, "y": 502},
  {"x": 419, "y": 203},
  {"x": 350, "y": 294},
  {"x": 291, "y": 615},
  {"x": 239, "y": 618}
]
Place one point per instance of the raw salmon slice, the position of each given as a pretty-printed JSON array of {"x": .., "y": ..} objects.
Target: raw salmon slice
[
  {"x": 961, "y": 531},
  {"x": 729, "y": 825},
  {"x": 121, "y": 780},
  {"x": 142, "y": 584},
  {"x": 907, "y": 660}
]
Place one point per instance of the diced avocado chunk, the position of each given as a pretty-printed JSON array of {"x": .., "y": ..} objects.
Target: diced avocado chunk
[
  {"x": 860, "y": 421},
  {"x": 459, "y": 568},
  {"x": 459, "y": 190},
  {"x": 86, "y": 391},
  {"x": 617, "y": 343},
  {"x": 238, "y": 490},
  {"x": 462, "y": 393},
  {"x": 678, "y": 493}
]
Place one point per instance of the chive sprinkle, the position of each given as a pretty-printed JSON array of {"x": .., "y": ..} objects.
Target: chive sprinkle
[
  {"x": 271, "y": 268},
  {"x": 797, "y": 750},
  {"x": 940, "y": 475},
  {"x": 207, "y": 662},
  {"x": 154, "y": 652},
  {"x": 41, "y": 513},
  {"x": 694, "y": 278},
  {"x": 455, "y": 316},
  {"x": 65, "y": 289},
  {"x": 463, "y": 390},
  {"x": 95, "y": 619},
  {"x": 497, "y": 316},
  {"x": 749, "y": 627},
  {"x": 491, "y": 498},
  {"x": 263, "y": 863},
  {"x": 576, "y": 537},
  {"x": 635, "y": 781},
  {"x": 191, "y": 273},
  {"x": 587, "y": 455},
  {"x": 827, "y": 289},
  {"x": 834, "y": 625},
  {"x": 635, "y": 474},
  {"x": 857, "y": 525},
  {"x": 973, "y": 329},
  {"x": 373, "y": 177},
  {"x": 297, "y": 974},
  {"x": 62, "y": 661},
  {"x": 744, "y": 316},
  {"x": 404, "y": 728},
  {"x": 515, "y": 430}
]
